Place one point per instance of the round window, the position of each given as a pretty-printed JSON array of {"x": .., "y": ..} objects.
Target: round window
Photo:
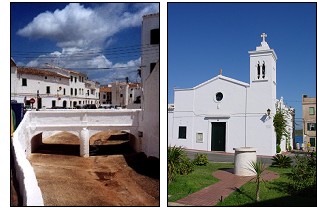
[{"x": 219, "y": 96}]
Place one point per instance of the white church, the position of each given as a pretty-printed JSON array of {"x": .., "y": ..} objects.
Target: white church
[{"x": 223, "y": 113}]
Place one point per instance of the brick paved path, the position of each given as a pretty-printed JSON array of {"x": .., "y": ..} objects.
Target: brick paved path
[{"x": 228, "y": 183}]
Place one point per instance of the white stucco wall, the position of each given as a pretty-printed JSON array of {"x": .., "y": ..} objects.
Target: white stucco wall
[
  {"x": 197, "y": 109},
  {"x": 150, "y": 86},
  {"x": 28, "y": 185},
  {"x": 150, "y": 124},
  {"x": 170, "y": 124},
  {"x": 150, "y": 52}
]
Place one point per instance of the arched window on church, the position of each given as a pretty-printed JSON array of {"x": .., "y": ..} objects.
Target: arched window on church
[
  {"x": 258, "y": 70},
  {"x": 263, "y": 70}
]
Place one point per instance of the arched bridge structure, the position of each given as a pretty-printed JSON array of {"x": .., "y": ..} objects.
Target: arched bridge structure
[{"x": 84, "y": 123}]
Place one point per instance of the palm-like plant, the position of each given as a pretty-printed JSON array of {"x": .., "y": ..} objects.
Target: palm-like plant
[
  {"x": 258, "y": 168},
  {"x": 178, "y": 162},
  {"x": 281, "y": 161}
]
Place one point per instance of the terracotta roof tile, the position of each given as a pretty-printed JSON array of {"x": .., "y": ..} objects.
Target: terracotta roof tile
[
  {"x": 36, "y": 71},
  {"x": 105, "y": 89}
]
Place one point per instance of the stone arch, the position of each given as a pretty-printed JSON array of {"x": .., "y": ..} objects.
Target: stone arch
[
  {"x": 112, "y": 142},
  {"x": 56, "y": 142}
]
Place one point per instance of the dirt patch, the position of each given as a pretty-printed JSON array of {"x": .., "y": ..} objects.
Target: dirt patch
[
  {"x": 62, "y": 138},
  {"x": 108, "y": 179}
]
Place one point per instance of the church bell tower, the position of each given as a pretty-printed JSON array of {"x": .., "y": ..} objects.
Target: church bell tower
[
  {"x": 263, "y": 77},
  {"x": 263, "y": 63},
  {"x": 262, "y": 97}
]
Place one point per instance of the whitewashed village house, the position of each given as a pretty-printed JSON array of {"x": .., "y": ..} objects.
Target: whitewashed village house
[
  {"x": 150, "y": 75},
  {"x": 105, "y": 95},
  {"x": 126, "y": 94},
  {"x": 52, "y": 87},
  {"x": 223, "y": 113},
  {"x": 122, "y": 94}
]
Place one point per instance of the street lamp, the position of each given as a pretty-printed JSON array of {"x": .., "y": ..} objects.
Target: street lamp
[{"x": 268, "y": 112}]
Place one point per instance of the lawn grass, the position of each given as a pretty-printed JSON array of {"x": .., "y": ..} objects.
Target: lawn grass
[
  {"x": 200, "y": 178},
  {"x": 273, "y": 193}
]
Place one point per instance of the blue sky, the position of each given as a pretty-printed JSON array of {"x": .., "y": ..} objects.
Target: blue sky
[
  {"x": 206, "y": 37},
  {"x": 87, "y": 37}
]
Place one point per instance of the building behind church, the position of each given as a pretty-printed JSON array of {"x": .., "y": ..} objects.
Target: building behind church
[
  {"x": 223, "y": 113},
  {"x": 309, "y": 120}
]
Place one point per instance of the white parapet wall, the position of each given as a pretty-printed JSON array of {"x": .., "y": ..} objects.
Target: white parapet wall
[
  {"x": 28, "y": 185},
  {"x": 91, "y": 121}
]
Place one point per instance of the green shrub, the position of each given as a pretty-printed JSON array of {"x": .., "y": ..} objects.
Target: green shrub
[
  {"x": 201, "y": 159},
  {"x": 186, "y": 166},
  {"x": 281, "y": 161},
  {"x": 303, "y": 174},
  {"x": 278, "y": 149},
  {"x": 177, "y": 162}
]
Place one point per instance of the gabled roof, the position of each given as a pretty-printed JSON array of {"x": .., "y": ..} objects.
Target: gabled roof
[
  {"x": 221, "y": 77},
  {"x": 62, "y": 70},
  {"x": 36, "y": 71}
]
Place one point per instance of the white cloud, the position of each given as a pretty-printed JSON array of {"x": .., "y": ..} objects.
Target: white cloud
[
  {"x": 82, "y": 32},
  {"x": 80, "y": 27},
  {"x": 131, "y": 63}
]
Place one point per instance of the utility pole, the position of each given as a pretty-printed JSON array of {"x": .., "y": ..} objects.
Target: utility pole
[{"x": 37, "y": 100}]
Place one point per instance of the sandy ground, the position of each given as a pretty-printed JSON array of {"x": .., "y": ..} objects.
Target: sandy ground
[{"x": 115, "y": 176}]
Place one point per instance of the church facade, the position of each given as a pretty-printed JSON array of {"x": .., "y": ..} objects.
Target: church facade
[{"x": 223, "y": 113}]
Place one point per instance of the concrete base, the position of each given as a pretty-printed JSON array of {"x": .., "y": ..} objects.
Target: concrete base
[{"x": 242, "y": 160}]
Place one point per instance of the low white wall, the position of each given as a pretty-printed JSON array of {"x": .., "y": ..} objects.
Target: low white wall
[
  {"x": 150, "y": 124},
  {"x": 28, "y": 185}
]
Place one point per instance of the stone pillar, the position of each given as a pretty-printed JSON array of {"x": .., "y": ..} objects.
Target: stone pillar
[{"x": 84, "y": 142}]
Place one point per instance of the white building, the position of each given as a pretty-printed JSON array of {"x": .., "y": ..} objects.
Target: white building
[
  {"x": 289, "y": 115},
  {"x": 105, "y": 95},
  {"x": 150, "y": 73},
  {"x": 52, "y": 87},
  {"x": 223, "y": 113},
  {"x": 126, "y": 94},
  {"x": 121, "y": 94}
]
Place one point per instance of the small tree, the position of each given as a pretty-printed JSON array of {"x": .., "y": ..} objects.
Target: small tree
[
  {"x": 279, "y": 123},
  {"x": 258, "y": 167}
]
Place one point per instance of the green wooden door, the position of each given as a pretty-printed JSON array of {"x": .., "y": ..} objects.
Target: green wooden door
[{"x": 218, "y": 136}]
